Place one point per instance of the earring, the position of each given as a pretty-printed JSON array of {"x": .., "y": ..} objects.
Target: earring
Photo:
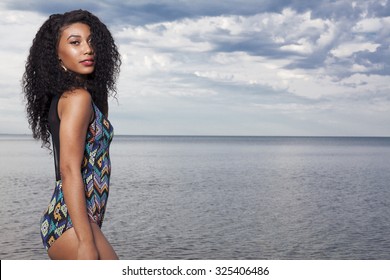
[{"x": 62, "y": 65}]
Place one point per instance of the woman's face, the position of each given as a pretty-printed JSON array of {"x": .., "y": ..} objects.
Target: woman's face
[{"x": 74, "y": 49}]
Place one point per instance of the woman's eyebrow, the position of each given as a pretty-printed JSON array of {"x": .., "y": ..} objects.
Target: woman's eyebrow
[{"x": 70, "y": 36}]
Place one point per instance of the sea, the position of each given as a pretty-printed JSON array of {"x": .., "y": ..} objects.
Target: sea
[{"x": 217, "y": 197}]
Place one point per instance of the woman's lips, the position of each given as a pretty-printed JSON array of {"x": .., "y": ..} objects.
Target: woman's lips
[{"x": 88, "y": 62}]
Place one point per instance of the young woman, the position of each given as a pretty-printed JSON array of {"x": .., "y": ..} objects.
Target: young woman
[{"x": 70, "y": 72}]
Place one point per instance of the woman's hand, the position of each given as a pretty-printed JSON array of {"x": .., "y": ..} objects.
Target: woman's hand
[{"x": 87, "y": 251}]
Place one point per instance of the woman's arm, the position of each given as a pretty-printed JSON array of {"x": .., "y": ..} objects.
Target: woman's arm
[{"x": 75, "y": 111}]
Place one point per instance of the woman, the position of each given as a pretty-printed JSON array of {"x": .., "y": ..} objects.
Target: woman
[{"x": 70, "y": 72}]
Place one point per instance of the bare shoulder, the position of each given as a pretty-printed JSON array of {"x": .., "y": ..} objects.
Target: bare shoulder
[
  {"x": 77, "y": 96},
  {"x": 76, "y": 101}
]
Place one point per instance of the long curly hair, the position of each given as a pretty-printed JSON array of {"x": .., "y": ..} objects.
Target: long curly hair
[{"x": 44, "y": 77}]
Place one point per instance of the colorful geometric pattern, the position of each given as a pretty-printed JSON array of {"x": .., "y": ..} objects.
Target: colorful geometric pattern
[
  {"x": 96, "y": 166},
  {"x": 95, "y": 170},
  {"x": 55, "y": 220}
]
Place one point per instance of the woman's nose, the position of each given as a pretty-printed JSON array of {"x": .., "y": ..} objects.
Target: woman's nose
[{"x": 88, "y": 48}]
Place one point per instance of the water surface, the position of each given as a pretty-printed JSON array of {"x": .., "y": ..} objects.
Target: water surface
[{"x": 217, "y": 197}]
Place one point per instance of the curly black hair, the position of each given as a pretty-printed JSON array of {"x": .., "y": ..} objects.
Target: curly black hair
[{"x": 44, "y": 78}]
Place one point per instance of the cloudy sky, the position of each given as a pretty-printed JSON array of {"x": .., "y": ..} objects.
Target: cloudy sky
[{"x": 238, "y": 67}]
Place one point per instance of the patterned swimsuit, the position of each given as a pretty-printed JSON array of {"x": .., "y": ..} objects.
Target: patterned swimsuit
[{"x": 95, "y": 170}]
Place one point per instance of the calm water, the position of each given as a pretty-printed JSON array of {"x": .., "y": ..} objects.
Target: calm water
[{"x": 217, "y": 197}]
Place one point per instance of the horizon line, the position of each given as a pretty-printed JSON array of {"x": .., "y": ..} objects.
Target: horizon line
[{"x": 215, "y": 135}]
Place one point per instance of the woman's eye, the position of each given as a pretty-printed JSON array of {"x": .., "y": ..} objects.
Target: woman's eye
[{"x": 75, "y": 42}]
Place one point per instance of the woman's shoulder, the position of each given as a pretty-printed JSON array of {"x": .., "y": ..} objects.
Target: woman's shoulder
[
  {"x": 77, "y": 95},
  {"x": 75, "y": 100}
]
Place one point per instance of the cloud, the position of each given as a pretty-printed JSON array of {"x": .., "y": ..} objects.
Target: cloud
[
  {"x": 141, "y": 12},
  {"x": 306, "y": 67}
]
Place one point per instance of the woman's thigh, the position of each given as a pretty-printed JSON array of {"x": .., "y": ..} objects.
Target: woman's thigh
[
  {"x": 106, "y": 252},
  {"x": 65, "y": 247}
]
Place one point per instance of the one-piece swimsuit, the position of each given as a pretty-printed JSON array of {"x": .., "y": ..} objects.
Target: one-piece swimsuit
[{"x": 95, "y": 170}]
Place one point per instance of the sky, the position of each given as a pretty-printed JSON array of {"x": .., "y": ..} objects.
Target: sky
[{"x": 238, "y": 67}]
